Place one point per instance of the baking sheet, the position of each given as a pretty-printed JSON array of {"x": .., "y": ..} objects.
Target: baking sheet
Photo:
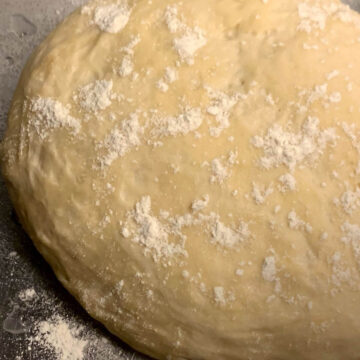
[{"x": 23, "y": 24}]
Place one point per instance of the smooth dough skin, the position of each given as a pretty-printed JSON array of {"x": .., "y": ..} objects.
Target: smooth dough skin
[{"x": 190, "y": 170}]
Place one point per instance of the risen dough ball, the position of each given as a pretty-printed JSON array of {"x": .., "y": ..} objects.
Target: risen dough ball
[{"x": 190, "y": 170}]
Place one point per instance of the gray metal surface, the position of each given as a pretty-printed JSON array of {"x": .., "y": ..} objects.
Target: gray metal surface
[{"x": 23, "y": 24}]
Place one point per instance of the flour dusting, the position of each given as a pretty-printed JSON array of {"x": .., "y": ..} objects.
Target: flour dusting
[
  {"x": 95, "y": 96},
  {"x": 187, "y": 121},
  {"x": 112, "y": 18},
  {"x": 227, "y": 237},
  {"x": 121, "y": 140},
  {"x": 282, "y": 147},
  {"x": 269, "y": 270},
  {"x": 47, "y": 114},
  {"x": 61, "y": 337},
  {"x": 148, "y": 231},
  {"x": 190, "y": 39}
]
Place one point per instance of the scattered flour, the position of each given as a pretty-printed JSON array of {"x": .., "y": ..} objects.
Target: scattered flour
[
  {"x": 172, "y": 21},
  {"x": 188, "y": 121},
  {"x": 320, "y": 93},
  {"x": 227, "y": 237},
  {"x": 27, "y": 295},
  {"x": 129, "y": 48},
  {"x": 126, "y": 67},
  {"x": 112, "y": 18},
  {"x": 341, "y": 273},
  {"x": 314, "y": 15},
  {"x": 220, "y": 107},
  {"x": 288, "y": 183},
  {"x": 239, "y": 272},
  {"x": 332, "y": 75},
  {"x": 352, "y": 237},
  {"x": 169, "y": 77},
  {"x": 296, "y": 223},
  {"x": 57, "y": 335},
  {"x": 190, "y": 41},
  {"x": 48, "y": 114},
  {"x": 219, "y": 295},
  {"x": 269, "y": 270},
  {"x": 95, "y": 96},
  {"x": 349, "y": 201},
  {"x": 291, "y": 149},
  {"x": 152, "y": 234},
  {"x": 127, "y": 63},
  {"x": 200, "y": 204},
  {"x": 335, "y": 97},
  {"x": 219, "y": 171},
  {"x": 188, "y": 44},
  {"x": 162, "y": 86},
  {"x": 351, "y": 133},
  {"x": 121, "y": 140},
  {"x": 260, "y": 193},
  {"x": 277, "y": 209}
]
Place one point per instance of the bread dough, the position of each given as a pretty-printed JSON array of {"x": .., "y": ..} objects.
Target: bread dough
[{"x": 190, "y": 170}]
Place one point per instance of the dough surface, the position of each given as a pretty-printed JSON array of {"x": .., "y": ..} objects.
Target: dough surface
[{"x": 190, "y": 170}]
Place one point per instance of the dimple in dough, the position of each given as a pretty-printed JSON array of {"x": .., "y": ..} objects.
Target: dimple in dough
[{"x": 190, "y": 171}]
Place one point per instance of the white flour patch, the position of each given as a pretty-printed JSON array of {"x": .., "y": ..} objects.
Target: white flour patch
[
  {"x": 191, "y": 39},
  {"x": 150, "y": 233},
  {"x": 290, "y": 149},
  {"x": 170, "y": 76},
  {"x": 260, "y": 193},
  {"x": 352, "y": 236},
  {"x": 296, "y": 223},
  {"x": 288, "y": 183},
  {"x": 112, "y": 18},
  {"x": 95, "y": 96},
  {"x": 269, "y": 270},
  {"x": 121, "y": 140},
  {"x": 47, "y": 114},
  {"x": 219, "y": 295},
  {"x": 127, "y": 65},
  {"x": 200, "y": 204},
  {"x": 188, "y": 121},
  {"x": 28, "y": 295},
  {"x": 227, "y": 237},
  {"x": 188, "y": 44},
  {"x": 349, "y": 201},
  {"x": 62, "y": 338},
  {"x": 220, "y": 107},
  {"x": 219, "y": 171},
  {"x": 314, "y": 15}
]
